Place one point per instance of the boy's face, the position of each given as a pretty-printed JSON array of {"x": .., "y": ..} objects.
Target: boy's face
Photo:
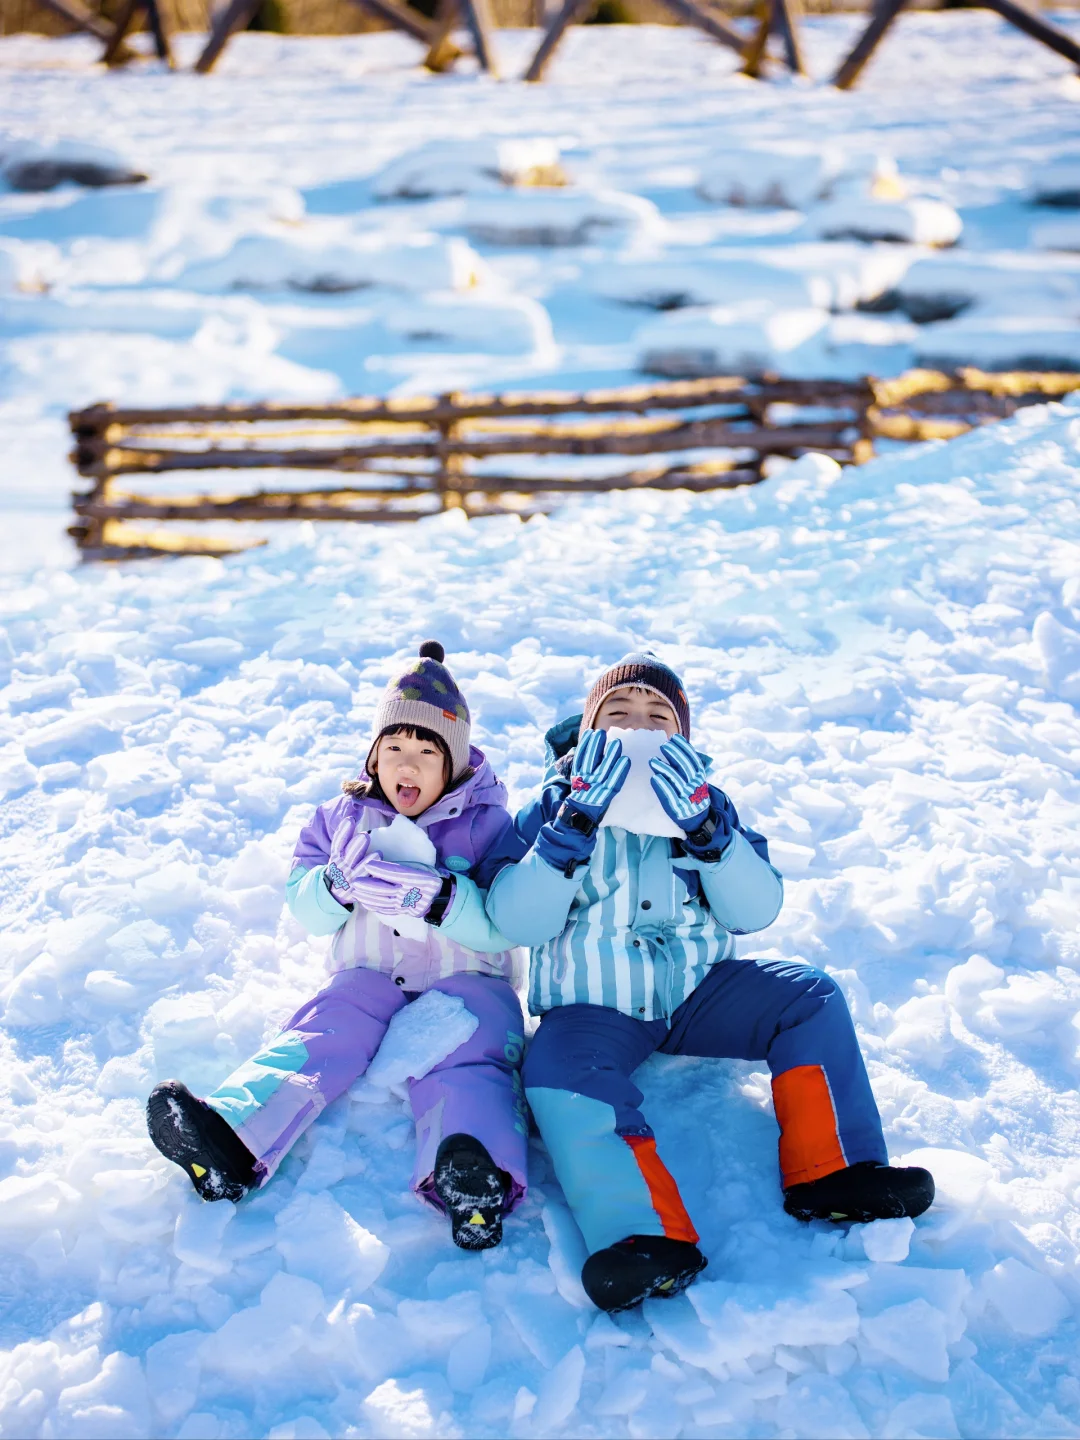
[
  {"x": 411, "y": 772},
  {"x": 635, "y": 708}
]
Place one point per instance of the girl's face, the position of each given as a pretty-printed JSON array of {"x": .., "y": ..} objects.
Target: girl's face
[
  {"x": 411, "y": 772},
  {"x": 635, "y": 708}
]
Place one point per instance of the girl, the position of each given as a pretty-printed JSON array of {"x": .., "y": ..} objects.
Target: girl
[{"x": 471, "y": 1130}]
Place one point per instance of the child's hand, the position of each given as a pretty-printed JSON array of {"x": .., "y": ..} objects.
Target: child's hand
[
  {"x": 349, "y": 861},
  {"x": 600, "y": 768},
  {"x": 387, "y": 888},
  {"x": 683, "y": 790}
]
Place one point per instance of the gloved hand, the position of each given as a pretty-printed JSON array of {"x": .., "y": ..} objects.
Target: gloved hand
[
  {"x": 599, "y": 770},
  {"x": 681, "y": 786},
  {"x": 387, "y": 888},
  {"x": 350, "y": 856}
]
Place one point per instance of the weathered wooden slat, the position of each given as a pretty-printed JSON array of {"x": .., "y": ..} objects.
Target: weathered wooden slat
[
  {"x": 239, "y": 508},
  {"x": 668, "y": 395},
  {"x": 236, "y": 15},
  {"x": 572, "y": 13},
  {"x": 1036, "y": 27},
  {"x": 77, "y": 15},
  {"x": 699, "y": 434},
  {"x": 912, "y": 429}
]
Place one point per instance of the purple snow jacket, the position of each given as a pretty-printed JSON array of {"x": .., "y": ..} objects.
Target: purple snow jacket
[{"x": 471, "y": 830}]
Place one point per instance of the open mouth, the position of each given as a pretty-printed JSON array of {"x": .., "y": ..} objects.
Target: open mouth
[{"x": 408, "y": 795}]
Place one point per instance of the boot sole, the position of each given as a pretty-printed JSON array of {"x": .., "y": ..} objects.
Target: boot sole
[
  {"x": 473, "y": 1195},
  {"x": 177, "y": 1127},
  {"x": 658, "y": 1287}
]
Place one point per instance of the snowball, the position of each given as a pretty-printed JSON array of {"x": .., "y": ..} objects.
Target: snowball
[
  {"x": 476, "y": 166},
  {"x": 635, "y": 806},
  {"x": 419, "y": 1037},
  {"x": 887, "y": 1240},
  {"x": 1029, "y": 1303},
  {"x": 737, "y": 340},
  {"x": 322, "y": 1242},
  {"x": 914, "y": 1336}
]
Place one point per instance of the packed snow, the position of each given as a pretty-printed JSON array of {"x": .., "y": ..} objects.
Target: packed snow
[{"x": 884, "y": 664}]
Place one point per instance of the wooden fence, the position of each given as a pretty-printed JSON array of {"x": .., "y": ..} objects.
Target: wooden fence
[{"x": 500, "y": 454}]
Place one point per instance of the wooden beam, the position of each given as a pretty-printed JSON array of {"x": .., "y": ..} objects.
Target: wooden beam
[
  {"x": 124, "y": 18},
  {"x": 885, "y": 12},
  {"x": 155, "y": 18},
  {"x": 443, "y": 52},
  {"x": 573, "y": 12},
  {"x": 1036, "y": 27},
  {"x": 691, "y": 13},
  {"x": 786, "y": 17},
  {"x": 400, "y": 17},
  {"x": 478, "y": 20},
  {"x": 77, "y": 15},
  {"x": 236, "y": 15},
  {"x": 759, "y": 41}
]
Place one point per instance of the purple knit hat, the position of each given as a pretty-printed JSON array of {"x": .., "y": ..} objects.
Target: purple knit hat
[
  {"x": 426, "y": 694},
  {"x": 641, "y": 668}
]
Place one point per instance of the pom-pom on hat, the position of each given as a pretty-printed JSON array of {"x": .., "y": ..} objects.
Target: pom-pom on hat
[
  {"x": 426, "y": 694},
  {"x": 641, "y": 668}
]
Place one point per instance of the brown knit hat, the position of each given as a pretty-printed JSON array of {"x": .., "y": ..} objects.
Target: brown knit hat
[
  {"x": 641, "y": 668},
  {"x": 425, "y": 694}
]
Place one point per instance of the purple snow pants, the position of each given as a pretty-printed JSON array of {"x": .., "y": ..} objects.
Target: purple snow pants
[{"x": 272, "y": 1099}]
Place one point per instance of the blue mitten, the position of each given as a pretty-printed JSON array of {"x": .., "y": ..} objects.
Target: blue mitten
[
  {"x": 599, "y": 770},
  {"x": 682, "y": 788}
]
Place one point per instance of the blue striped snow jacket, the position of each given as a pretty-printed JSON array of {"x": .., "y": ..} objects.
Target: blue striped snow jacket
[{"x": 638, "y": 926}]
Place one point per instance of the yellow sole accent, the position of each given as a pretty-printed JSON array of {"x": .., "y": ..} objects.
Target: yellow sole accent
[
  {"x": 477, "y": 1219},
  {"x": 197, "y": 1171},
  {"x": 666, "y": 1285},
  {"x": 838, "y": 1215}
]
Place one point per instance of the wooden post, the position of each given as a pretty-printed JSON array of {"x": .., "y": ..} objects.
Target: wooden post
[
  {"x": 786, "y": 15},
  {"x": 1036, "y": 27},
  {"x": 885, "y": 12},
  {"x": 755, "y": 49},
  {"x": 155, "y": 18},
  {"x": 691, "y": 13},
  {"x": 450, "y": 467},
  {"x": 572, "y": 13},
  {"x": 400, "y": 17},
  {"x": 124, "y": 19},
  {"x": 443, "y": 52},
  {"x": 77, "y": 15},
  {"x": 235, "y": 16},
  {"x": 478, "y": 20}
]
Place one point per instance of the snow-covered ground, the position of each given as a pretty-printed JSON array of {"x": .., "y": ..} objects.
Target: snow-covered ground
[{"x": 885, "y": 664}]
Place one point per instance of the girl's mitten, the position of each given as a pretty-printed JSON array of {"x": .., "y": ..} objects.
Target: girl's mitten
[
  {"x": 387, "y": 888},
  {"x": 348, "y": 863}
]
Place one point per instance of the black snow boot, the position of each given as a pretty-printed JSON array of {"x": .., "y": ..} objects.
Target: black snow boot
[
  {"x": 474, "y": 1191},
  {"x": 641, "y": 1265},
  {"x": 194, "y": 1136},
  {"x": 863, "y": 1192}
]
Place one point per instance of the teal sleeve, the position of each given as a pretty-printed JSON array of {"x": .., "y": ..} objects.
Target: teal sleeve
[
  {"x": 743, "y": 890},
  {"x": 311, "y": 902},
  {"x": 467, "y": 922},
  {"x": 529, "y": 902}
]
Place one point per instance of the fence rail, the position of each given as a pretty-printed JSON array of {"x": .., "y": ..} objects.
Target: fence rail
[{"x": 420, "y": 455}]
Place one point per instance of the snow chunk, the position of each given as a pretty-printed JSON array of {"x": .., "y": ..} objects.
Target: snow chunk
[
  {"x": 419, "y": 1037},
  {"x": 463, "y": 167},
  {"x": 1029, "y": 1303},
  {"x": 112, "y": 1406},
  {"x": 560, "y": 217},
  {"x": 321, "y": 1241},
  {"x": 921, "y": 1417},
  {"x": 37, "y": 167},
  {"x": 753, "y": 1319},
  {"x": 791, "y": 175},
  {"x": 394, "y": 1411},
  {"x": 1001, "y": 342},
  {"x": 938, "y": 287},
  {"x": 1059, "y": 646},
  {"x": 257, "y": 1341},
  {"x": 559, "y": 1393},
  {"x": 736, "y": 340},
  {"x": 914, "y": 1336},
  {"x": 906, "y": 222},
  {"x": 1057, "y": 234},
  {"x": 1057, "y": 181},
  {"x": 636, "y": 807},
  {"x": 134, "y": 774},
  {"x": 887, "y": 1240},
  {"x": 500, "y": 325},
  {"x": 313, "y": 260},
  {"x": 818, "y": 1405},
  {"x": 671, "y": 284},
  {"x": 200, "y": 1231}
]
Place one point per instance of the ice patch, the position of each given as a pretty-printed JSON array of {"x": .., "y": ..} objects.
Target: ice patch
[
  {"x": 322, "y": 1242},
  {"x": 635, "y": 806},
  {"x": 1029, "y": 1303}
]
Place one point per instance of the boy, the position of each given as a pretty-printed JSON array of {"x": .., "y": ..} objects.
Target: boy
[{"x": 632, "y": 940}]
